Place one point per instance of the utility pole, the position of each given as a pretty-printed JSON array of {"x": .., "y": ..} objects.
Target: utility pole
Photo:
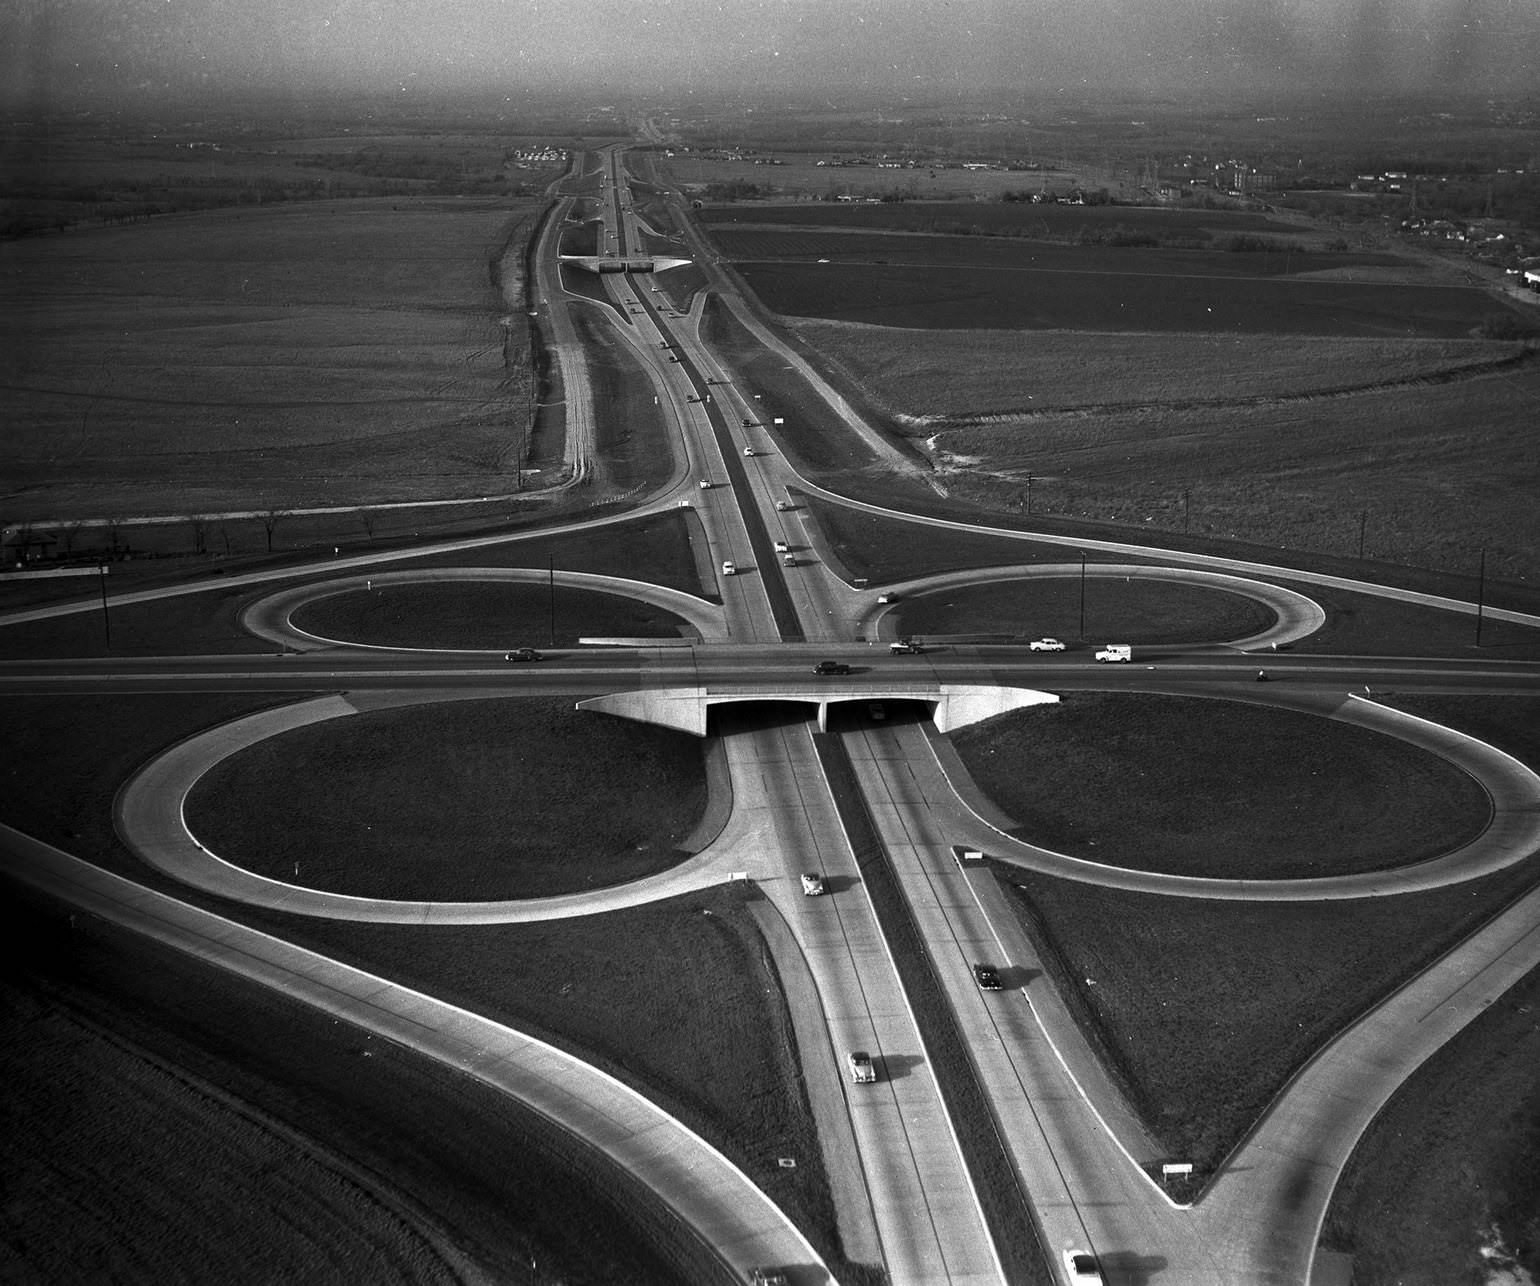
[
  {"x": 1082, "y": 596},
  {"x": 107, "y": 622},
  {"x": 1481, "y": 593}
]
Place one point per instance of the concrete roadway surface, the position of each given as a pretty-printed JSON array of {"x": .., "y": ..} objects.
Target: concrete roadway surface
[
  {"x": 1259, "y": 1222},
  {"x": 712, "y": 1195},
  {"x": 783, "y": 822}
]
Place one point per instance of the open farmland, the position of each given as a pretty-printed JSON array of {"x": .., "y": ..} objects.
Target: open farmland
[
  {"x": 1428, "y": 475},
  {"x": 1032, "y": 295},
  {"x": 938, "y": 378},
  {"x": 1010, "y": 219},
  {"x": 244, "y": 359}
]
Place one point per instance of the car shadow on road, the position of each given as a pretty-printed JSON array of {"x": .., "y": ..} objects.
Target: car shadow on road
[
  {"x": 1130, "y": 1269},
  {"x": 898, "y": 1066}
]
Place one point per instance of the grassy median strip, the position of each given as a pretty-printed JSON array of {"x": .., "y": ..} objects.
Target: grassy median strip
[{"x": 1005, "y": 1204}]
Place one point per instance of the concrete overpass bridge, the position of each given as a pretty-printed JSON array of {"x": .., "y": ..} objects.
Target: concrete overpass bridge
[
  {"x": 953, "y": 705},
  {"x": 622, "y": 263}
]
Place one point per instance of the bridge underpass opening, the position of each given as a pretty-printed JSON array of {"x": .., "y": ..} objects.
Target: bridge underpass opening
[{"x": 688, "y": 709}]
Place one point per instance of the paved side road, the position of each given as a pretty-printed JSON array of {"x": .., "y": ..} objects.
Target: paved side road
[{"x": 708, "y": 1193}]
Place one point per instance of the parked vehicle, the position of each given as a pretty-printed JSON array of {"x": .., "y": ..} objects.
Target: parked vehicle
[{"x": 1116, "y": 652}]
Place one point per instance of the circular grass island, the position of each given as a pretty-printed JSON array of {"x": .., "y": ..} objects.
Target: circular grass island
[
  {"x": 1128, "y": 609},
  {"x": 480, "y": 615},
  {"x": 480, "y": 800},
  {"x": 1218, "y": 789}
]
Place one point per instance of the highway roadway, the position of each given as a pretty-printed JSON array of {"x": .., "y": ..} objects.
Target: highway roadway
[{"x": 1075, "y": 1146}]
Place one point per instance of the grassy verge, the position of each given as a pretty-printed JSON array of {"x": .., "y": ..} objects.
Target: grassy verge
[
  {"x": 305, "y": 1107},
  {"x": 456, "y": 801},
  {"x": 481, "y": 614},
  {"x": 1448, "y": 1167},
  {"x": 1202, "y": 1010},
  {"x": 1132, "y": 611},
  {"x": 1199, "y": 787},
  {"x": 682, "y": 1004},
  {"x": 1005, "y": 1204}
]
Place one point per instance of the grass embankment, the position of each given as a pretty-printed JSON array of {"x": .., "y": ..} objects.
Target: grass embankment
[
  {"x": 1204, "y": 1009},
  {"x": 318, "y": 1149},
  {"x": 456, "y": 801},
  {"x": 481, "y": 614},
  {"x": 1131, "y": 611},
  {"x": 1004, "y": 1204},
  {"x": 1198, "y": 787},
  {"x": 1450, "y": 1165},
  {"x": 655, "y": 549},
  {"x": 683, "y": 1005},
  {"x": 260, "y": 358}
]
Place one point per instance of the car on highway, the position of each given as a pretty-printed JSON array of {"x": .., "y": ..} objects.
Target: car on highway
[
  {"x": 748, "y": 451},
  {"x": 522, "y": 654},
  {"x": 1083, "y": 1269},
  {"x": 812, "y": 884},
  {"x": 1046, "y": 645},
  {"x": 692, "y": 397},
  {"x": 789, "y": 559},
  {"x": 767, "y": 1277},
  {"x": 901, "y": 646},
  {"x": 673, "y": 357},
  {"x": 748, "y": 424},
  {"x": 887, "y": 598},
  {"x": 781, "y": 547},
  {"x": 862, "y": 1071},
  {"x": 987, "y": 977},
  {"x": 781, "y": 506},
  {"x": 729, "y": 568},
  {"x": 831, "y": 667},
  {"x": 877, "y": 711},
  {"x": 705, "y": 484}
]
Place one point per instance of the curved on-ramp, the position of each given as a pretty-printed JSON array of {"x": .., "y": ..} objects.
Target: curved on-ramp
[
  {"x": 1298, "y": 617},
  {"x": 270, "y": 617},
  {"x": 724, "y": 1208},
  {"x": 1511, "y": 835}
]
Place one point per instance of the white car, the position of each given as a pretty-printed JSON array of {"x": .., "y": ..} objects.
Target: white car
[
  {"x": 812, "y": 884},
  {"x": 782, "y": 506},
  {"x": 748, "y": 451},
  {"x": 1045, "y": 645},
  {"x": 781, "y": 547},
  {"x": 729, "y": 568},
  {"x": 705, "y": 484},
  {"x": 1083, "y": 1269},
  {"x": 861, "y": 1070}
]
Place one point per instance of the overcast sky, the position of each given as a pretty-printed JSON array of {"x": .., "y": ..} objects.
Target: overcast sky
[{"x": 154, "y": 48}]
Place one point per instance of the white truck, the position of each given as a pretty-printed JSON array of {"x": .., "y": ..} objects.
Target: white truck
[{"x": 1116, "y": 652}]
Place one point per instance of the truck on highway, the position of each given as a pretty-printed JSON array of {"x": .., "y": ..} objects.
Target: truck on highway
[{"x": 1116, "y": 652}]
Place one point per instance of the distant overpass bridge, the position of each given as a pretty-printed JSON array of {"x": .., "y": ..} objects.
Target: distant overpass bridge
[
  {"x": 954, "y": 705},
  {"x": 622, "y": 263}
]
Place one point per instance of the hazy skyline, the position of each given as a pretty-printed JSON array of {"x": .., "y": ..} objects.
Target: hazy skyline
[{"x": 65, "y": 51}]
